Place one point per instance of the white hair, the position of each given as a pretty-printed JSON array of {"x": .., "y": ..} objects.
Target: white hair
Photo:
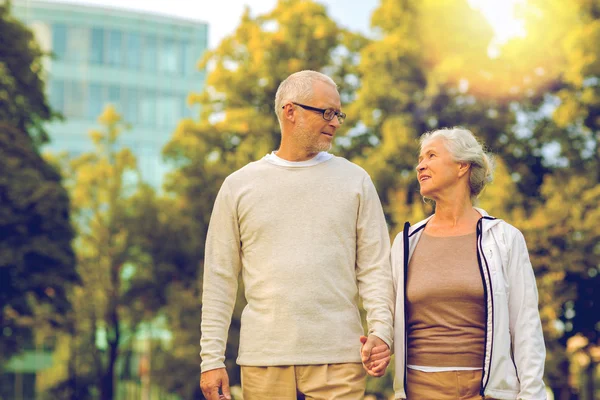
[
  {"x": 298, "y": 87},
  {"x": 464, "y": 147}
]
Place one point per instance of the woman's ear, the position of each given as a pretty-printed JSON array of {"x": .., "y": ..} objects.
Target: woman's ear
[{"x": 463, "y": 168}]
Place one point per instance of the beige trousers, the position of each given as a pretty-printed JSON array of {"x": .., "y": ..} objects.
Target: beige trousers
[
  {"x": 451, "y": 385},
  {"x": 318, "y": 382}
]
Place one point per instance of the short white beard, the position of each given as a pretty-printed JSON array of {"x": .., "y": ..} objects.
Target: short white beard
[{"x": 305, "y": 139}]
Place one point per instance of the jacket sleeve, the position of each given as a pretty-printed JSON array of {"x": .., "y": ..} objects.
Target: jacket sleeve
[
  {"x": 222, "y": 264},
  {"x": 524, "y": 321},
  {"x": 373, "y": 270}
]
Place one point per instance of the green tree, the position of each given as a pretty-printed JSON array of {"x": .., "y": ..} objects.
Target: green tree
[
  {"x": 431, "y": 68},
  {"x": 23, "y": 103},
  {"x": 565, "y": 124},
  {"x": 37, "y": 264},
  {"x": 563, "y": 242},
  {"x": 104, "y": 185}
]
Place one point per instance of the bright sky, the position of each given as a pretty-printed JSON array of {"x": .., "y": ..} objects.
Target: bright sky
[{"x": 223, "y": 16}]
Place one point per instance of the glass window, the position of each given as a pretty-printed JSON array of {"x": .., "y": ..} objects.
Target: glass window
[
  {"x": 168, "y": 111},
  {"x": 115, "y": 48},
  {"x": 77, "y": 44},
  {"x": 74, "y": 99},
  {"x": 59, "y": 40},
  {"x": 114, "y": 97},
  {"x": 186, "y": 111},
  {"x": 133, "y": 50},
  {"x": 149, "y": 53},
  {"x": 169, "y": 59},
  {"x": 97, "y": 46},
  {"x": 188, "y": 59},
  {"x": 130, "y": 105},
  {"x": 148, "y": 108},
  {"x": 95, "y": 101},
  {"x": 57, "y": 95}
]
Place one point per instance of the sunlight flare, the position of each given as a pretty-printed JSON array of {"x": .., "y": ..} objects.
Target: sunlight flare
[{"x": 500, "y": 14}]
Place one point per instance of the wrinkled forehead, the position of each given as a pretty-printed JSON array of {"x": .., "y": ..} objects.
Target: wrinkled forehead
[{"x": 432, "y": 144}]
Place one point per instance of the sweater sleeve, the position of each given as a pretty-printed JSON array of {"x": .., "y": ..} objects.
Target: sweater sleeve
[
  {"x": 222, "y": 264},
  {"x": 373, "y": 269},
  {"x": 525, "y": 323}
]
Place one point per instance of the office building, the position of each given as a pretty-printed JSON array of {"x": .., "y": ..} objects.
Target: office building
[{"x": 144, "y": 64}]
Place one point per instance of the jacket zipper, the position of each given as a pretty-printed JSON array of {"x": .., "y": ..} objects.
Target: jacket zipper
[
  {"x": 406, "y": 256},
  {"x": 489, "y": 297}
]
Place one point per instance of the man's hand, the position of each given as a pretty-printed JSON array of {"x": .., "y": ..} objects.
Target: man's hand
[
  {"x": 214, "y": 380},
  {"x": 376, "y": 355}
]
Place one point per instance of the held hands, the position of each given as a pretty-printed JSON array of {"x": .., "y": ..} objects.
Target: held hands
[
  {"x": 215, "y": 382},
  {"x": 375, "y": 355}
]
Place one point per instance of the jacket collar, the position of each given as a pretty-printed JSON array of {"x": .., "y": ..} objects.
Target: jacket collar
[{"x": 487, "y": 223}]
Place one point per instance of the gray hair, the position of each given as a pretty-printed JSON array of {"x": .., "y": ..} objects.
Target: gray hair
[
  {"x": 464, "y": 147},
  {"x": 298, "y": 87}
]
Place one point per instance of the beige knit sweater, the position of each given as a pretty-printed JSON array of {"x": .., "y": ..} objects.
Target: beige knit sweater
[{"x": 308, "y": 242}]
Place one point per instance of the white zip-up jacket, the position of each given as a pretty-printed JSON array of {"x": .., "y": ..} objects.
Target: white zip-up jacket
[{"x": 513, "y": 366}]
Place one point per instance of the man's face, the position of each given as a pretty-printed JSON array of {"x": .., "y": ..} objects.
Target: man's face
[{"x": 312, "y": 132}]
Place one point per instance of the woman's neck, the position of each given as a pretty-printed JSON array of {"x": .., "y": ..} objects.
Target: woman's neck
[{"x": 453, "y": 219}]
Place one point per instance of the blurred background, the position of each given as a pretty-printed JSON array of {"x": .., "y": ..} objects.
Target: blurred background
[{"x": 119, "y": 121}]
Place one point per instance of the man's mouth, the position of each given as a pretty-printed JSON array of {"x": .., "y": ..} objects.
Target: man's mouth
[{"x": 327, "y": 134}]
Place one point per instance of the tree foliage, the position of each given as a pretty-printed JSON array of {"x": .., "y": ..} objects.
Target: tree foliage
[
  {"x": 104, "y": 185},
  {"x": 431, "y": 64},
  {"x": 23, "y": 103},
  {"x": 37, "y": 264}
]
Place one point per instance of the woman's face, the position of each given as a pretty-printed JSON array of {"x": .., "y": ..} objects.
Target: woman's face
[{"x": 437, "y": 171}]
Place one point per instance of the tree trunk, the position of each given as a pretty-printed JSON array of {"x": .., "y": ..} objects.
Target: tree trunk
[{"x": 108, "y": 384}]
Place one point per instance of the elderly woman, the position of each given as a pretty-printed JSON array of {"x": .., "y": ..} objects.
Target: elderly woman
[{"x": 467, "y": 324}]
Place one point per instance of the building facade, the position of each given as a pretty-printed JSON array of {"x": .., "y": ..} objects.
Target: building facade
[{"x": 144, "y": 64}]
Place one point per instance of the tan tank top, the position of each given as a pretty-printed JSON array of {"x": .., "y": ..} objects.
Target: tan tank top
[{"x": 445, "y": 303}]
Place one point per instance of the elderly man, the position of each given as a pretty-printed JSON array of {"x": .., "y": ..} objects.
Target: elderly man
[{"x": 306, "y": 231}]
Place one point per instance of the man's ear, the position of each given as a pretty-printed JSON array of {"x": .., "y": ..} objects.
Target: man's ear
[{"x": 288, "y": 112}]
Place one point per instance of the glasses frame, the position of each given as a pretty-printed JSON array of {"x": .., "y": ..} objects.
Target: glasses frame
[{"x": 340, "y": 115}]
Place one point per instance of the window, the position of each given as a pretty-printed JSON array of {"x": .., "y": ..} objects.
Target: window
[
  {"x": 57, "y": 95},
  {"x": 169, "y": 57},
  {"x": 189, "y": 59},
  {"x": 74, "y": 99},
  {"x": 186, "y": 111},
  {"x": 114, "y": 97},
  {"x": 168, "y": 111},
  {"x": 95, "y": 101},
  {"x": 115, "y": 48},
  {"x": 133, "y": 50},
  {"x": 77, "y": 44},
  {"x": 59, "y": 40},
  {"x": 148, "y": 108},
  {"x": 97, "y": 46},
  {"x": 130, "y": 105},
  {"x": 149, "y": 53}
]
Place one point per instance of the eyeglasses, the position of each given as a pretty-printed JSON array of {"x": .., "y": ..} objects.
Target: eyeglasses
[{"x": 328, "y": 113}]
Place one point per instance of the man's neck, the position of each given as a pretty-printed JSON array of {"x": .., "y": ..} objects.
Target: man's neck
[{"x": 294, "y": 156}]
